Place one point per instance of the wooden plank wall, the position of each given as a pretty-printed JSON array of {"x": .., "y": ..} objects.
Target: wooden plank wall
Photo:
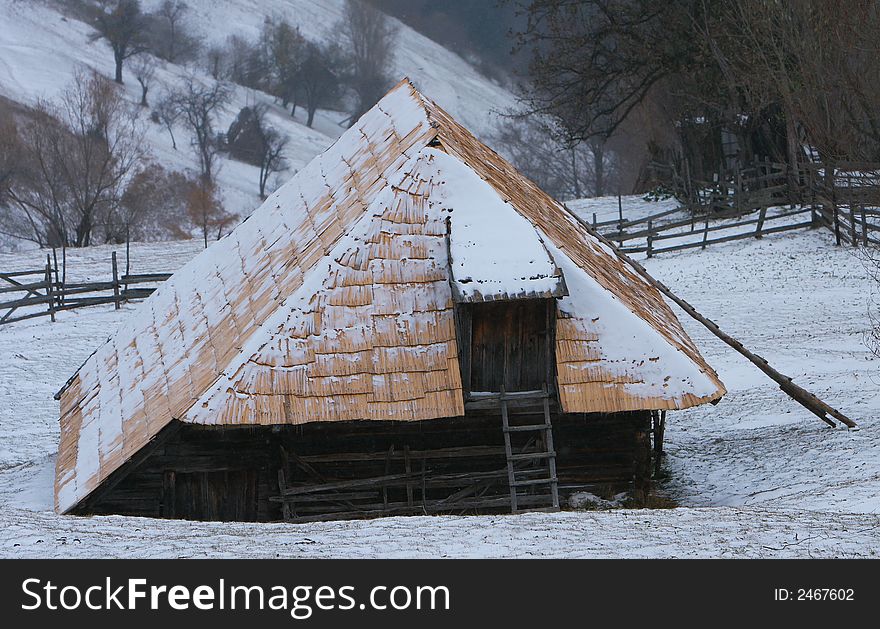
[{"x": 210, "y": 473}]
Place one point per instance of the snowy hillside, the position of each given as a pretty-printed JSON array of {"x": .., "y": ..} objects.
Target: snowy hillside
[
  {"x": 756, "y": 476},
  {"x": 437, "y": 72},
  {"x": 41, "y": 49}
]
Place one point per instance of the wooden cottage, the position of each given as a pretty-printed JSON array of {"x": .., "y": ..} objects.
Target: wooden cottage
[{"x": 408, "y": 326}]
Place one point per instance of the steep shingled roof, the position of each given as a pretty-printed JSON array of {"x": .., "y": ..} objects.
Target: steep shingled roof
[{"x": 333, "y": 301}]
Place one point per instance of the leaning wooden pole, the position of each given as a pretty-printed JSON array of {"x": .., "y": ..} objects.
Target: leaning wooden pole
[{"x": 796, "y": 392}]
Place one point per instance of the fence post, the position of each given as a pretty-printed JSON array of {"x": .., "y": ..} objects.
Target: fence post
[
  {"x": 811, "y": 187},
  {"x": 650, "y": 239},
  {"x": 115, "y": 283},
  {"x": 49, "y": 296},
  {"x": 836, "y": 225},
  {"x": 63, "y": 272},
  {"x": 57, "y": 281},
  {"x": 760, "y": 226},
  {"x": 705, "y": 233},
  {"x": 864, "y": 227},
  {"x": 595, "y": 222},
  {"x": 737, "y": 190},
  {"x": 852, "y": 225}
]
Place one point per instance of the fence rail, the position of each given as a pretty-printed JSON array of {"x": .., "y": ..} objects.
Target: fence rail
[
  {"x": 42, "y": 293},
  {"x": 843, "y": 198}
]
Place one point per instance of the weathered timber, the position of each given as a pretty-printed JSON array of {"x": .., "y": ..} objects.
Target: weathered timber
[
  {"x": 455, "y": 465},
  {"x": 51, "y": 299}
]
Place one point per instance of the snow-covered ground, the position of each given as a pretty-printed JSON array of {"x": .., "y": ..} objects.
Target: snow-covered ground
[
  {"x": 632, "y": 207},
  {"x": 756, "y": 476},
  {"x": 41, "y": 50}
]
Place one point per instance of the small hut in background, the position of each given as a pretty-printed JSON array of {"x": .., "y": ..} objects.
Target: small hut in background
[{"x": 409, "y": 326}]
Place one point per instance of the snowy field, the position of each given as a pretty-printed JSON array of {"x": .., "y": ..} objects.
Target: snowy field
[
  {"x": 633, "y": 207},
  {"x": 756, "y": 476}
]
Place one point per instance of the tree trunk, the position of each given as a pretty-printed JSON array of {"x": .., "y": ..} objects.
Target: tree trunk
[
  {"x": 118, "y": 58},
  {"x": 598, "y": 149},
  {"x": 311, "y": 117},
  {"x": 171, "y": 133},
  {"x": 576, "y": 180},
  {"x": 792, "y": 143}
]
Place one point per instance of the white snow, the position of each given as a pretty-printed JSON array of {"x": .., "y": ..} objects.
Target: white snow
[
  {"x": 495, "y": 251},
  {"x": 627, "y": 343},
  {"x": 757, "y": 476}
]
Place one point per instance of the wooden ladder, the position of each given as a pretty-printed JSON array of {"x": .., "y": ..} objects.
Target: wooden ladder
[{"x": 547, "y": 455}]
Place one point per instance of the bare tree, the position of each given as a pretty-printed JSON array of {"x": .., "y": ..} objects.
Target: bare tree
[
  {"x": 270, "y": 149},
  {"x": 368, "y": 38},
  {"x": 198, "y": 106},
  {"x": 12, "y": 223},
  {"x": 318, "y": 78},
  {"x": 285, "y": 49},
  {"x": 775, "y": 76},
  {"x": 154, "y": 206},
  {"x": 215, "y": 62},
  {"x": 143, "y": 66},
  {"x": 168, "y": 114},
  {"x": 817, "y": 60},
  {"x": 10, "y": 150},
  {"x": 124, "y": 27},
  {"x": 564, "y": 169},
  {"x": 77, "y": 158},
  {"x": 246, "y": 63},
  {"x": 870, "y": 258},
  {"x": 205, "y": 211},
  {"x": 170, "y": 38}
]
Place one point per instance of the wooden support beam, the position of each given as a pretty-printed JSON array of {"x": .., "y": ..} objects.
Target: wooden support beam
[{"x": 796, "y": 392}]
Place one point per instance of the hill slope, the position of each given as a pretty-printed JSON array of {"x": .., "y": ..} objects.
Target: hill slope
[{"x": 41, "y": 49}]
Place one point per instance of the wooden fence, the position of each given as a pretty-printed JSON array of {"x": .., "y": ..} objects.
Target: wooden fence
[
  {"x": 40, "y": 292},
  {"x": 844, "y": 198}
]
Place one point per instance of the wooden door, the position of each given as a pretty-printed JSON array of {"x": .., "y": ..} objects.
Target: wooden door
[
  {"x": 509, "y": 345},
  {"x": 229, "y": 495}
]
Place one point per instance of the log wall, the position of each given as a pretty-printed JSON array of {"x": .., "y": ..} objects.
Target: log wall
[{"x": 454, "y": 465}]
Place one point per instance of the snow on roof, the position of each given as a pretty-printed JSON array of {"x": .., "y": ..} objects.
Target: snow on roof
[
  {"x": 334, "y": 301},
  {"x": 495, "y": 252}
]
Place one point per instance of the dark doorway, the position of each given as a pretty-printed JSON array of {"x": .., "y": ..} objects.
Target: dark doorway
[
  {"x": 221, "y": 495},
  {"x": 510, "y": 344}
]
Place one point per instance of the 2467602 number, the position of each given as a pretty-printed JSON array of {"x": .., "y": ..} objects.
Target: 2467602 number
[{"x": 825, "y": 594}]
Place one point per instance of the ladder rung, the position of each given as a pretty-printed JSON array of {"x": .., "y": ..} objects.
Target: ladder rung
[
  {"x": 530, "y": 470},
  {"x": 536, "y": 481},
  {"x": 527, "y": 427},
  {"x": 531, "y": 455}
]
